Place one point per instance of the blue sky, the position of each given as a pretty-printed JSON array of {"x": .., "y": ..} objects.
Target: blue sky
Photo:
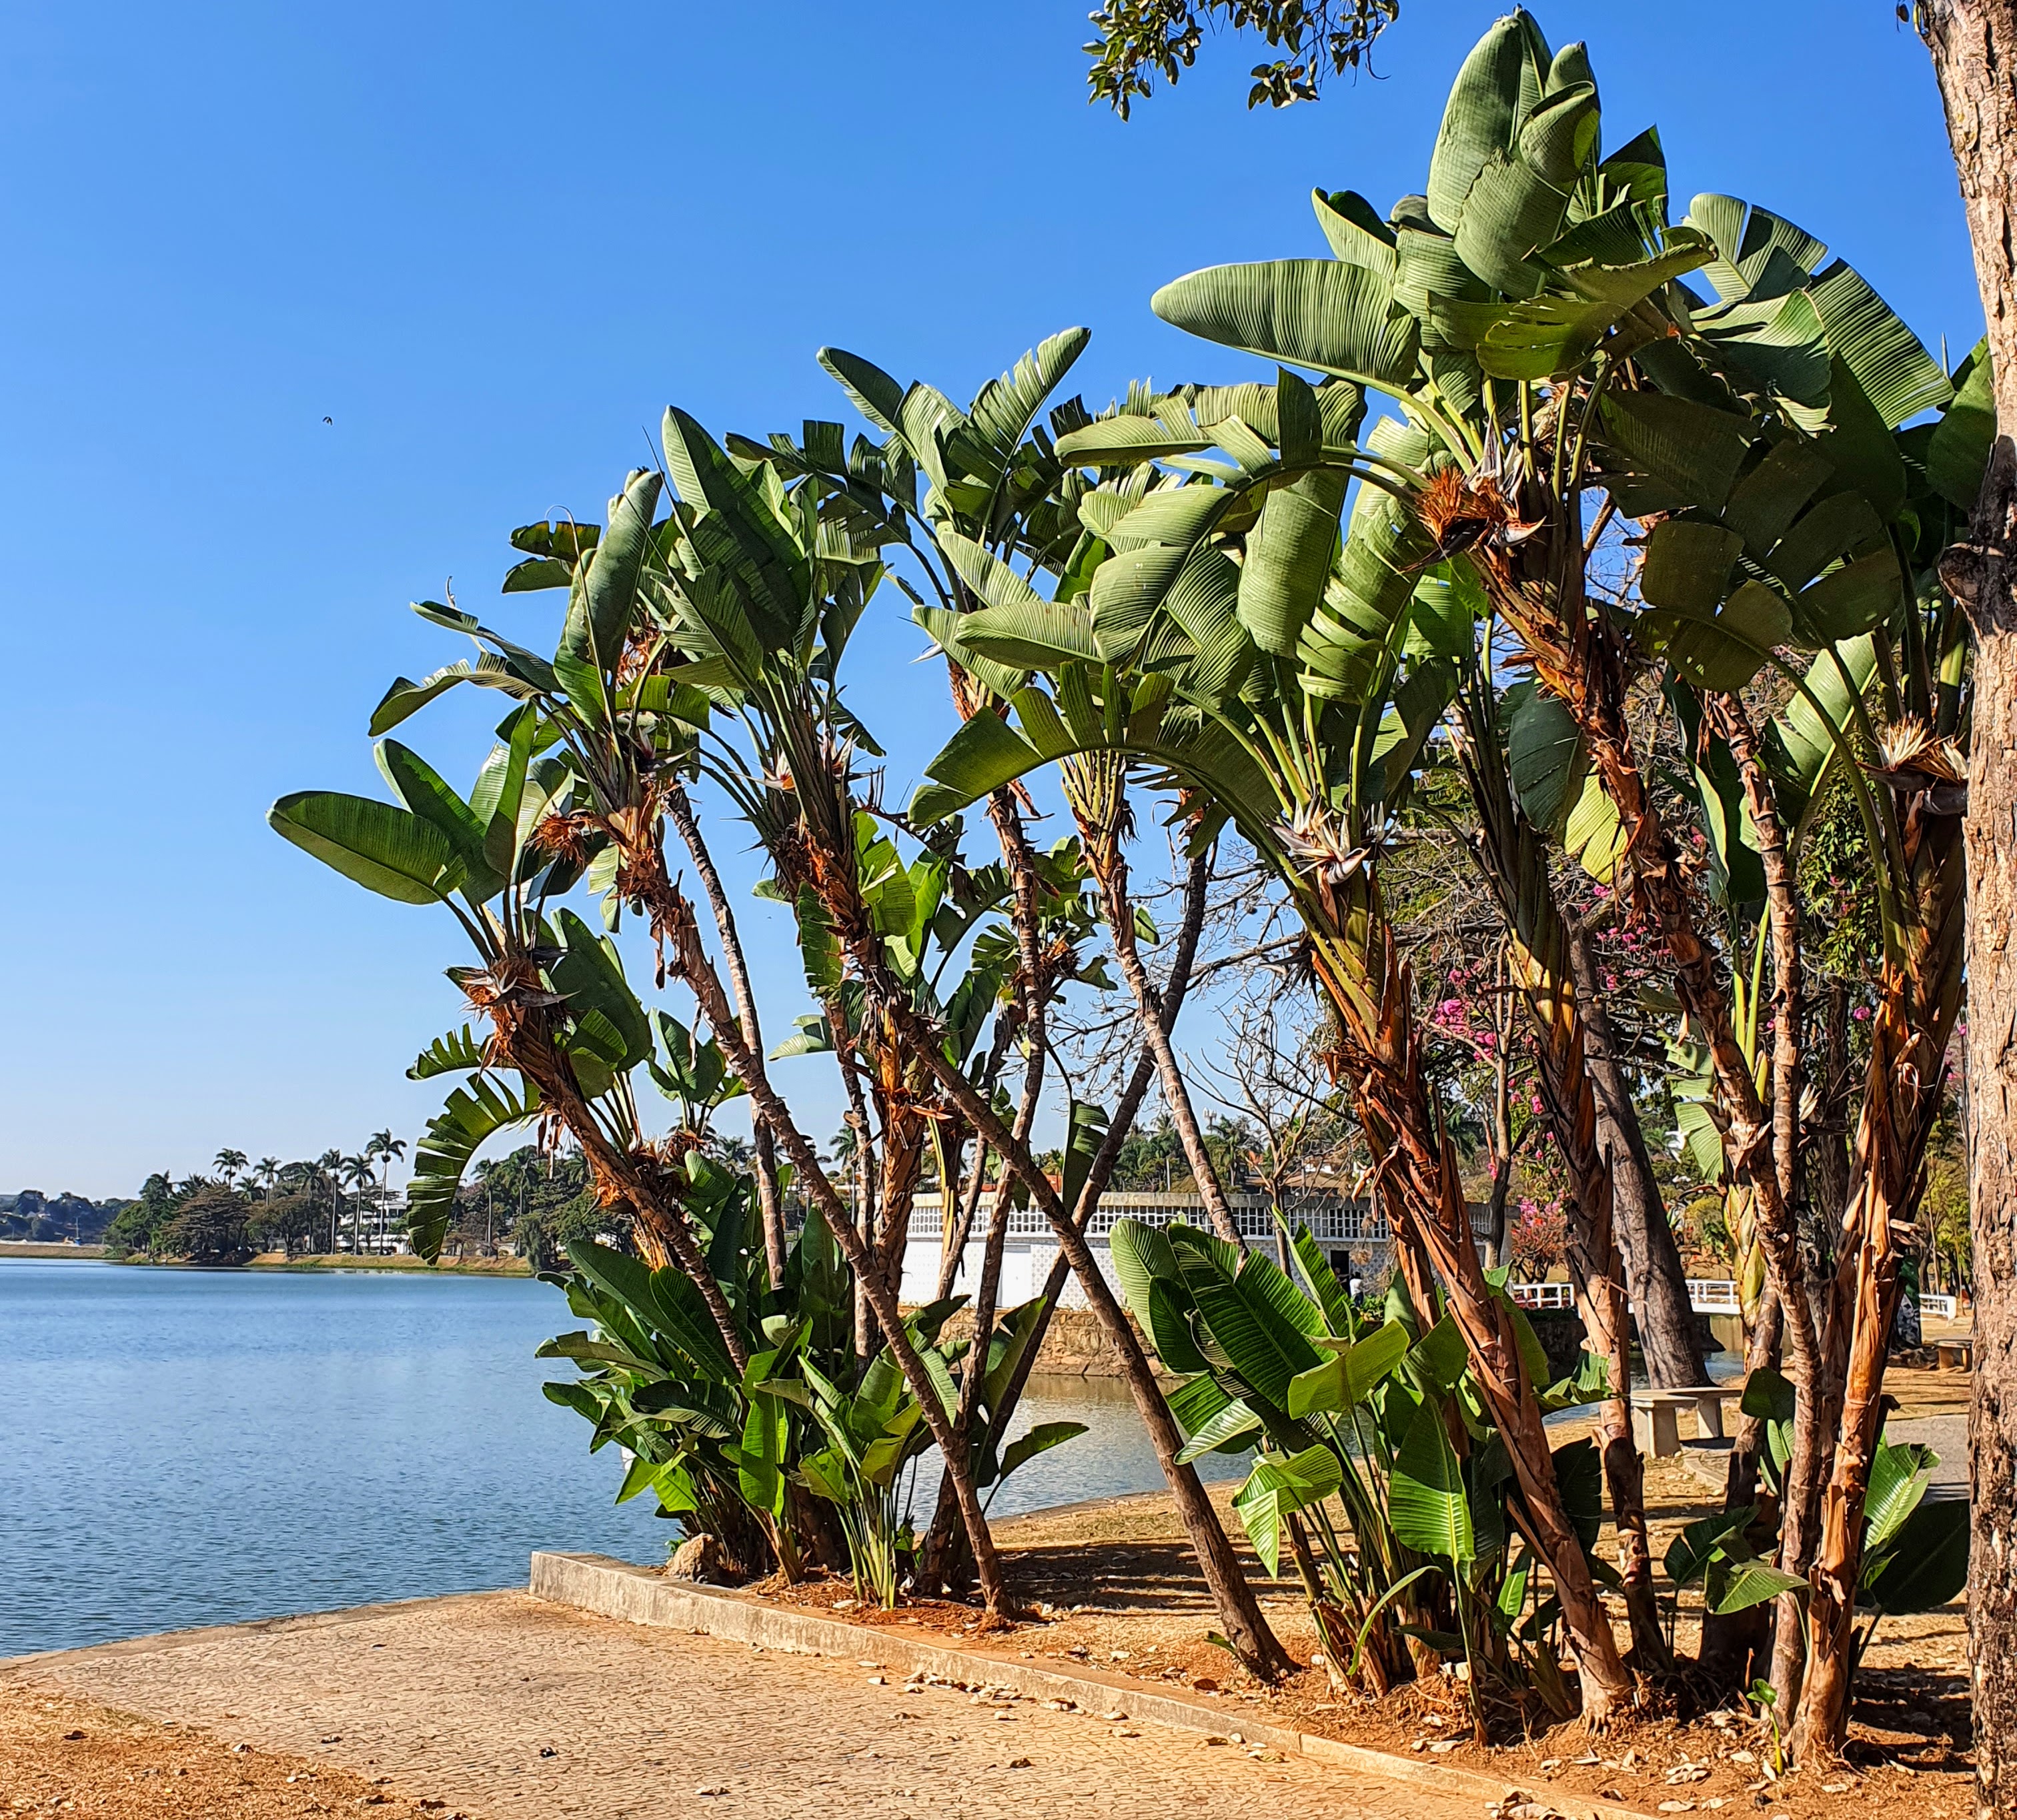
[{"x": 492, "y": 242}]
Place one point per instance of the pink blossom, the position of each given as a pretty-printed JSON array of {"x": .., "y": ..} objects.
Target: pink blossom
[{"x": 1861, "y": 1013}]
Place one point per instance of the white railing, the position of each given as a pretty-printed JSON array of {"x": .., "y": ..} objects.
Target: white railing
[
  {"x": 1543, "y": 1294},
  {"x": 1945, "y": 1306},
  {"x": 1328, "y": 1220},
  {"x": 1712, "y": 1296}
]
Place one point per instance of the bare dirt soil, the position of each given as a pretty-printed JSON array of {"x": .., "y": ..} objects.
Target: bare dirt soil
[{"x": 62, "y": 1754}]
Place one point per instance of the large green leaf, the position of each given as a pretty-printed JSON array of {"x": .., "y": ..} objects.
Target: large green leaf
[
  {"x": 473, "y": 1113},
  {"x": 1521, "y": 198},
  {"x": 1899, "y": 1475},
  {"x": 1039, "y": 1439},
  {"x": 1276, "y": 1488},
  {"x": 385, "y": 848},
  {"x": 1927, "y": 1564},
  {"x": 1288, "y": 561},
  {"x": 1546, "y": 758},
  {"x": 434, "y": 800},
  {"x": 1345, "y": 1379},
  {"x": 1897, "y": 375},
  {"x": 617, "y": 562},
  {"x": 1426, "y": 1503},
  {"x": 1959, "y": 452},
  {"x": 1735, "y": 1586},
  {"x": 1500, "y": 80},
  {"x": 1315, "y": 313},
  {"x": 1688, "y": 1556},
  {"x": 1724, "y": 649}
]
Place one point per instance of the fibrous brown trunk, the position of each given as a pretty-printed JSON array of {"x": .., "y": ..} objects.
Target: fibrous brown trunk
[
  {"x": 1918, "y": 1001},
  {"x": 679, "y": 812},
  {"x": 1800, "y": 1512},
  {"x": 1670, "y": 1334},
  {"x": 1974, "y": 46},
  {"x": 643, "y": 877}
]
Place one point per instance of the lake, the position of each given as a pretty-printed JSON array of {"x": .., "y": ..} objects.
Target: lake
[{"x": 183, "y": 1447}]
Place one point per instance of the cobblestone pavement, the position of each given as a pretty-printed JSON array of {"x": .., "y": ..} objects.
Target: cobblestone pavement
[{"x": 502, "y": 1706}]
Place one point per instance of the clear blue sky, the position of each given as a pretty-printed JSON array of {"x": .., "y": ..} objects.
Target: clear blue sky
[{"x": 492, "y": 242}]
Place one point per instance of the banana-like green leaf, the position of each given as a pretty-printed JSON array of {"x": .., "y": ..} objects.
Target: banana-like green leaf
[
  {"x": 1289, "y": 556},
  {"x": 1688, "y": 1556},
  {"x": 873, "y": 392},
  {"x": 1897, "y": 375},
  {"x": 616, "y": 562},
  {"x": 1723, "y": 650},
  {"x": 434, "y": 800},
  {"x": 1735, "y": 1586},
  {"x": 384, "y": 848},
  {"x": 1315, "y": 313},
  {"x": 1036, "y": 634},
  {"x": 1039, "y": 1438},
  {"x": 1521, "y": 198},
  {"x": 1357, "y": 234},
  {"x": 1226, "y": 1432},
  {"x": 1277, "y": 1488},
  {"x": 1500, "y": 81},
  {"x": 1959, "y": 452},
  {"x": 473, "y": 1113},
  {"x": 1898, "y": 1475},
  {"x": 1142, "y": 1256},
  {"x": 1426, "y": 1500},
  {"x": 1345, "y": 1379},
  {"x": 1805, "y": 746},
  {"x": 458, "y": 1053},
  {"x": 1546, "y": 757},
  {"x": 1129, "y": 437},
  {"x": 1927, "y": 1566},
  {"x": 405, "y": 697}
]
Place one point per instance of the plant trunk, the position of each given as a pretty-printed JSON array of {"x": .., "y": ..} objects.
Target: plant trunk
[
  {"x": 679, "y": 811},
  {"x": 1112, "y": 873},
  {"x": 1509, "y": 851},
  {"x": 1918, "y": 1003},
  {"x": 1669, "y": 1335},
  {"x": 1239, "y": 1612},
  {"x": 1422, "y": 1193},
  {"x": 1729, "y": 1642},
  {"x": 672, "y": 924},
  {"x": 1974, "y": 46}
]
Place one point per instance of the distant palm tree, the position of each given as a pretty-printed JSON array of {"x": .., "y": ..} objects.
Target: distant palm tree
[
  {"x": 384, "y": 1147},
  {"x": 328, "y": 1166},
  {"x": 357, "y": 1172},
  {"x": 229, "y": 1164},
  {"x": 269, "y": 1172}
]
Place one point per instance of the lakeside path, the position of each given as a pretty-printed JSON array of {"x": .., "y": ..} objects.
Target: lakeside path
[{"x": 498, "y": 1705}]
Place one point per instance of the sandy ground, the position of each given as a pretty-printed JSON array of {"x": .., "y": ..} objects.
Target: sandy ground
[{"x": 499, "y": 1705}]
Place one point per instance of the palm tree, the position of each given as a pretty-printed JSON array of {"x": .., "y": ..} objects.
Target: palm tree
[
  {"x": 269, "y": 1172},
  {"x": 384, "y": 1147},
  {"x": 229, "y": 1164},
  {"x": 357, "y": 1172},
  {"x": 328, "y": 1168}
]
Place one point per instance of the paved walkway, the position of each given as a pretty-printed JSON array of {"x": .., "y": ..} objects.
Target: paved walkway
[{"x": 500, "y": 1706}]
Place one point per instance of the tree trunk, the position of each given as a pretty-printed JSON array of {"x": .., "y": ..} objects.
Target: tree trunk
[
  {"x": 1974, "y": 46},
  {"x": 679, "y": 811},
  {"x": 1239, "y": 1612},
  {"x": 1669, "y": 1335},
  {"x": 671, "y": 917},
  {"x": 1112, "y": 871}
]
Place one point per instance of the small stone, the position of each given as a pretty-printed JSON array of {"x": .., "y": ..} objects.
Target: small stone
[
  {"x": 1006, "y": 1718},
  {"x": 548, "y": 1750},
  {"x": 1677, "y": 1806},
  {"x": 237, "y": 1749},
  {"x": 1443, "y": 1744},
  {"x": 1215, "y": 1740},
  {"x": 1836, "y": 1788},
  {"x": 878, "y": 1680},
  {"x": 1205, "y": 1684},
  {"x": 1019, "y": 1763},
  {"x": 72, "y": 1737},
  {"x": 711, "y": 1791}
]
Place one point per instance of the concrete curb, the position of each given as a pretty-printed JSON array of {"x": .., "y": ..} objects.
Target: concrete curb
[{"x": 639, "y": 1595}]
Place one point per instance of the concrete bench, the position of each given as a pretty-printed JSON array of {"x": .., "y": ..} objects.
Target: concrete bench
[
  {"x": 1656, "y": 1415},
  {"x": 1955, "y": 1355}
]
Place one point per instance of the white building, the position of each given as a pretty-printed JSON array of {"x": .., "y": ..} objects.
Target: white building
[{"x": 1352, "y": 1234}]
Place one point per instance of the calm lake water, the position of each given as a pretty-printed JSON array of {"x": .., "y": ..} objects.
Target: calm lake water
[{"x": 183, "y": 1447}]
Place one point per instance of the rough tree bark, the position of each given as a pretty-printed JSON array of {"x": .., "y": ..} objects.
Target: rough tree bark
[
  {"x": 1974, "y": 46},
  {"x": 679, "y": 813},
  {"x": 1668, "y": 1333}
]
